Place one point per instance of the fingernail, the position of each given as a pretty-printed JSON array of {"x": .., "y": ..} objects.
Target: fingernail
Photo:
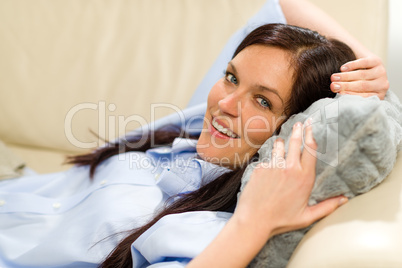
[
  {"x": 337, "y": 87},
  {"x": 336, "y": 77},
  {"x": 344, "y": 68},
  {"x": 297, "y": 130},
  {"x": 275, "y": 144},
  {"x": 309, "y": 121},
  {"x": 343, "y": 200},
  {"x": 278, "y": 144}
]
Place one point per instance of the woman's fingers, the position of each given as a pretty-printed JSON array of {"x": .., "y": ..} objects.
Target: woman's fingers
[
  {"x": 307, "y": 158},
  {"x": 324, "y": 208},
  {"x": 363, "y": 63},
  {"x": 365, "y": 77},
  {"x": 279, "y": 196},
  {"x": 294, "y": 151},
  {"x": 309, "y": 155},
  {"x": 278, "y": 154},
  {"x": 358, "y": 86},
  {"x": 363, "y": 74},
  {"x": 365, "y": 95}
]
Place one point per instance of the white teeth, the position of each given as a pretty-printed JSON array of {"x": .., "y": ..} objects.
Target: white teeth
[{"x": 223, "y": 130}]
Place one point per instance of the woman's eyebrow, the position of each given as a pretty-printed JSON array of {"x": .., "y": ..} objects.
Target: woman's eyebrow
[
  {"x": 233, "y": 67},
  {"x": 264, "y": 88},
  {"x": 260, "y": 87}
]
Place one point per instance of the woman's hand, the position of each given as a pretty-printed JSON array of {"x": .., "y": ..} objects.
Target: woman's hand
[
  {"x": 275, "y": 200},
  {"x": 365, "y": 77}
]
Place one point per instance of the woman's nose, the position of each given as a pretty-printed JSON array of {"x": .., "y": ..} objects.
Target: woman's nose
[{"x": 230, "y": 105}]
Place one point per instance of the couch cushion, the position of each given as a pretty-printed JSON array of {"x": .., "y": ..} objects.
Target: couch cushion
[
  {"x": 68, "y": 67},
  {"x": 40, "y": 160},
  {"x": 367, "y": 20},
  {"x": 366, "y": 232},
  {"x": 72, "y": 66}
]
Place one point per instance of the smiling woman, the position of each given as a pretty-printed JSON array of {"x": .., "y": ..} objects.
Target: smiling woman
[
  {"x": 181, "y": 205},
  {"x": 278, "y": 70},
  {"x": 155, "y": 202},
  {"x": 246, "y": 106}
]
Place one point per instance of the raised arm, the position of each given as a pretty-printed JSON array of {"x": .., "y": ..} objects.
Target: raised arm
[
  {"x": 366, "y": 76},
  {"x": 274, "y": 201}
]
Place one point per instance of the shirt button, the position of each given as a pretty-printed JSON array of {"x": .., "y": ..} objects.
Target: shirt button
[
  {"x": 103, "y": 182},
  {"x": 2, "y": 202},
  {"x": 56, "y": 205},
  {"x": 157, "y": 175}
]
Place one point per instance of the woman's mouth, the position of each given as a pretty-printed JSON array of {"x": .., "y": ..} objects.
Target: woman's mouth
[{"x": 225, "y": 131}]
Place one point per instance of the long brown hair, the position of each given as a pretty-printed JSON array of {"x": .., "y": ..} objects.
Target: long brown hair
[{"x": 314, "y": 59}]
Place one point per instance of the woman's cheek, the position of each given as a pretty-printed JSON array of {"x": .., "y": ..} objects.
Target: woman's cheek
[
  {"x": 258, "y": 129},
  {"x": 217, "y": 91}
]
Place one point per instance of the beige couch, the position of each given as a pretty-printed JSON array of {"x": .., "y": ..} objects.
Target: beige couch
[{"x": 71, "y": 67}]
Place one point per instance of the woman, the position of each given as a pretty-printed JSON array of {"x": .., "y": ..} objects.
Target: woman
[{"x": 269, "y": 78}]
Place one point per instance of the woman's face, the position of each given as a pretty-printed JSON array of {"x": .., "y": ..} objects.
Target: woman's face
[{"x": 246, "y": 106}]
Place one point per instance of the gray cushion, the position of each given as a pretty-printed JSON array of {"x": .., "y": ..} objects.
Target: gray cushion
[{"x": 358, "y": 139}]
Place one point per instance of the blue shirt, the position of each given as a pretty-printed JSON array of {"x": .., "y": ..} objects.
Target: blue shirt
[{"x": 68, "y": 220}]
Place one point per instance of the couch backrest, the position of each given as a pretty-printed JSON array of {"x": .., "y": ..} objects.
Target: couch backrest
[
  {"x": 367, "y": 20},
  {"x": 68, "y": 67}
]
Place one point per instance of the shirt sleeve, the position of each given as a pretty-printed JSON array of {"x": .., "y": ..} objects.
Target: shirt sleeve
[
  {"x": 170, "y": 264},
  {"x": 176, "y": 239}
]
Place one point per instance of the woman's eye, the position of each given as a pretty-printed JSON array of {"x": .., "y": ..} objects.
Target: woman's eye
[
  {"x": 263, "y": 102},
  {"x": 231, "y": 78}
]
